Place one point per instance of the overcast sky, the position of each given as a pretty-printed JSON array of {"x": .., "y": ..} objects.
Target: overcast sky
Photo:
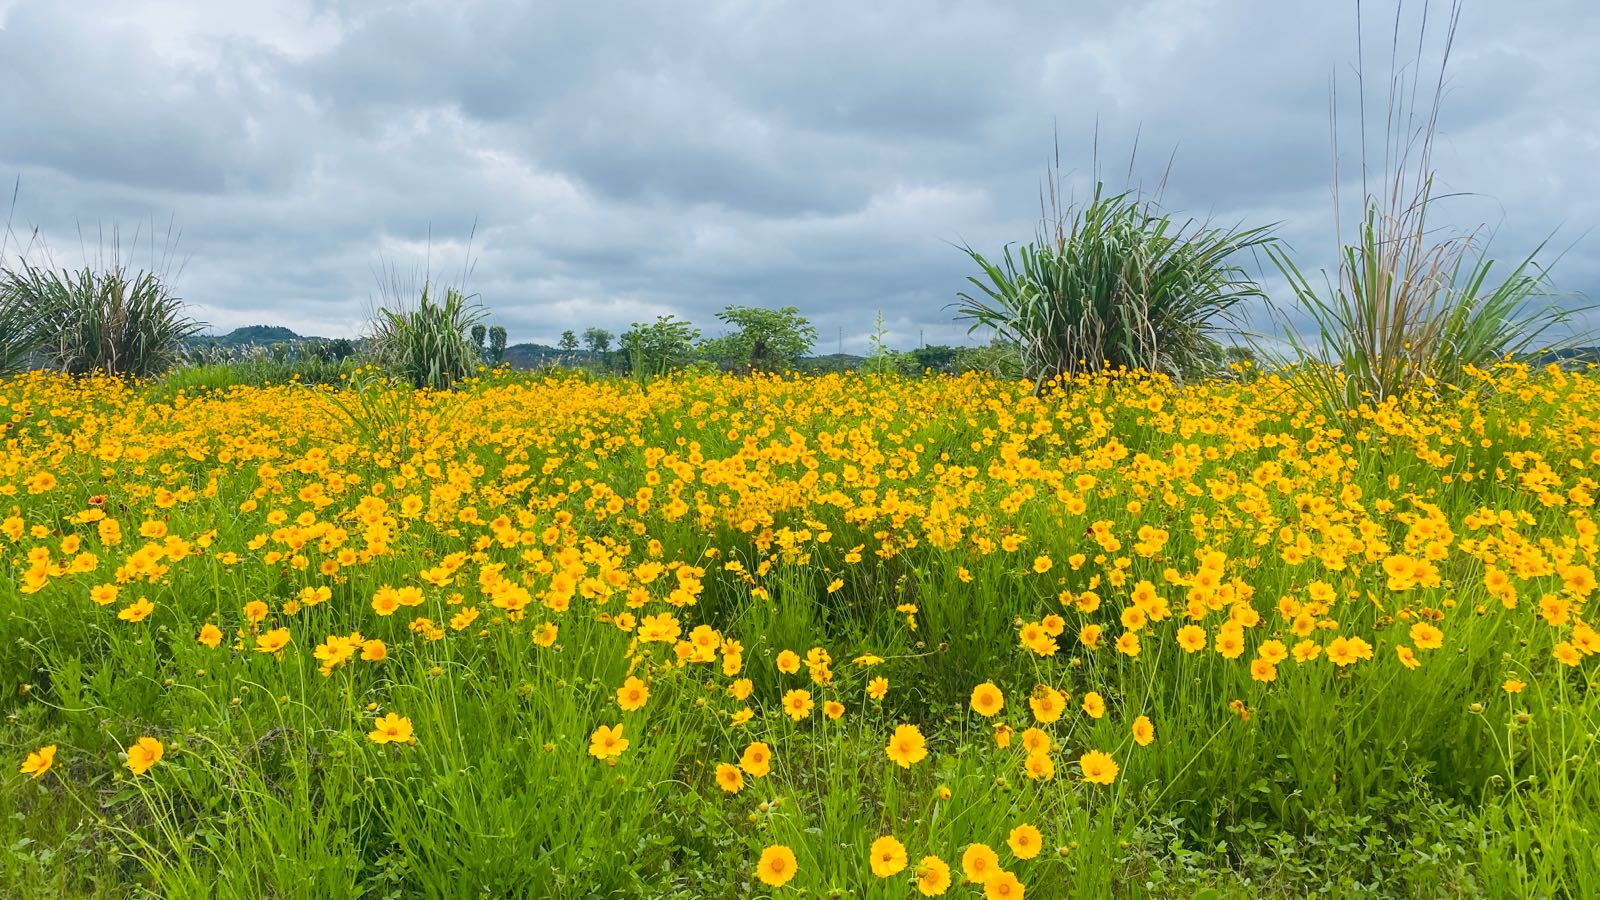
[{"x": 625, "y": 160}]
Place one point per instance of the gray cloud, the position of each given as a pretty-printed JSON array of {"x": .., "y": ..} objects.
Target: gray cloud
[{"x": 620, "y": 161}]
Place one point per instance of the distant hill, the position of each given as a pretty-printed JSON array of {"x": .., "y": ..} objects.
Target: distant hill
[
  {"x": 251, "y": 336},
  {"x": 1570, "y": 356},
  {"x": 519, "y": 356}
]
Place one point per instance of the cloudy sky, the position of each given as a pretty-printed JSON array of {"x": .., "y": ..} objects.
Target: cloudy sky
[{"x": 624, "y": 160}]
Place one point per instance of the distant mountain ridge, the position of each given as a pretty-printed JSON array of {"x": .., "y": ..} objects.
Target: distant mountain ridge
[{"x": 519, "y": 356}]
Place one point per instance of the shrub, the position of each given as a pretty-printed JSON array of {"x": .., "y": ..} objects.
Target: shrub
[
  {"x": 1413, "y": 306},
  {"x": 659, "y": 347},
  {"x": 428, "y": 345},
  {"x": 116, "y": 321},
  {"x": 1114, "y": 283},
  {"x": 1409, "y": 309},
  {"x": 20, "y": 335},
  {"x": 767, "y": 340}
]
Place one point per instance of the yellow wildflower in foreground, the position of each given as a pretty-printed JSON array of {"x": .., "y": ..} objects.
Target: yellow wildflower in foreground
[
  {"x": 1003, "y": 886},
  {"x": 1098, "y": 767},
  {"x": 907, "y": 746},
  {"x": 607, "y": 742},
  {"x": 137, "y": 611},
  {"x": 145, "y": 752},
  {"x": 756, "y": 759},
  {"x": 39, "y": 761},
  {"x": 391, "y": 729},
  {"x": 887, "y": 856},
  {"x": 987, "y": 700},
  {"x": 1143, "y": 731},
  {"x": 729, "y": 778},
  {"x": 273, "y": 641},
  {"x": 632, "y": 695},
  {"x": 1025, "y": 841},
  {"x": 979, "y": 863},
  {"x": 933, "y": 876},
  {"x": 777, "y": 866}
]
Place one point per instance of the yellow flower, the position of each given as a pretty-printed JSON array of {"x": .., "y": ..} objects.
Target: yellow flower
[
  {"x": 39, "y": 761},
  {"x": 833, "y": 709},
  {"x": 607, "y": 742},
  {"x": 888, "y": 856},
  {"x": 729, "y": 778},
  {"x": 798, "y": 704},
  {"x": 1046, "y": 703},
  {"x": 987, "y": 700},
  {"x": 1566, "y": 654},
  {"x": 145, "y": 752},
  {"x": 1407, "y": 658},
  {"x": 1261, "y": 670},
  {"x": 1094, "y": 705},
  {"x": 979, "y": 863},
  {"x": 1426, "y": 636},
  {"x": 1003, "y": 886},
  {"x": 877, "y": 687},
  {"x": 1514, "y": 686},
  {"x": 933, "y": 876},
  {"x": 632, "y": 695},
  {"x": 756, "y": 760},
  {"x": 210, "y": 635},
  {"x": 137, "y": 611},
  {"x": 255, "y": 611},
  {"x": 1143, "y": 731},
  {"x": 1025, "y": 841},
  {"x": 777, "y": 866},
  {"x": 1039, "y": 766},
  {"x": 391, "y": 729},
  {"x": 273, "y": 641},
  {"x": 1098, "y": 767},
  {"x": 907, "y": 746}
]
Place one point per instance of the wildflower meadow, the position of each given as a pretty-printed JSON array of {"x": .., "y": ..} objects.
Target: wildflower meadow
[{"x": 553, "y": 635}]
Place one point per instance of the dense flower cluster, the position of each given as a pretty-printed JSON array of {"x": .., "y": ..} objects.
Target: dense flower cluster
[{"x": 1028, "y": 595}]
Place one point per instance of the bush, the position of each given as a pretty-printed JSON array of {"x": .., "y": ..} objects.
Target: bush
[
  {"x": 1413, "y": 307},
  {"x": 115, "y": 321},
  {"x": 1113, "y": 284},
  {"x": 429, "y": 345},
  {"x": 658, "y": 348},
  {"x": 767, "y": 340}
]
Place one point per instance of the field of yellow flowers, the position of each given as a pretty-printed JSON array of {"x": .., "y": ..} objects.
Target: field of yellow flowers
[{"x": 850, "y": 635}]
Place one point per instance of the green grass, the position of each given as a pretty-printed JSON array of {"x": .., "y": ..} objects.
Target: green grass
[{"x": 1371, "y": 781}]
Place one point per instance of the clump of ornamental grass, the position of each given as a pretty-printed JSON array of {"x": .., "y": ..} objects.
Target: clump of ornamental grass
[
  {"x": 108, "y": 317},
  {"x": 429, "y": 344},
  {"x": 115, "y": 321},
  {"x": 1413, "y": 306},
  {"x": 1113, "y": 283}
]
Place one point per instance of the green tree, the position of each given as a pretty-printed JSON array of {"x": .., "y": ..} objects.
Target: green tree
[
  {"x": 659, "y": 347},
  {"x": 767, "y": 340},
  {"x": 597, "y": 340},
  {"x": 497, "y": 344},
  {"x": 938, "y": 357},
  {"x": 569, "y": 342}
]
